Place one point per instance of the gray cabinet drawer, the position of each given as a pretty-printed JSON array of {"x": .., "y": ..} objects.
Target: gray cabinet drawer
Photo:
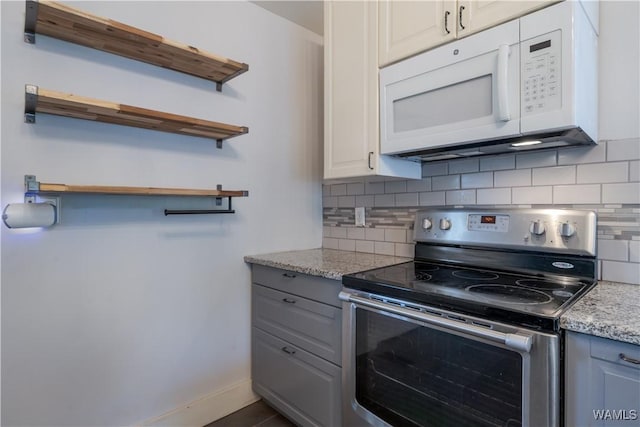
[
  {"x": 310, "y": 325},
  {"x": 312, "y": 287},
  {"x": 297, "y": 383}
]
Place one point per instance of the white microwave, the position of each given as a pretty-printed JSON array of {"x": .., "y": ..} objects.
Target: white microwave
[{"x": 527, "y": 84}]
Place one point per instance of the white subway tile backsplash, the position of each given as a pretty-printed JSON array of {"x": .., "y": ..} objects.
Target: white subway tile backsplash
[
  {"x": 461, "y": 197},
  {"x": 634, "y": 250},
  {"x": 464, "y": 166},
  {"x": 625, "y": 272},
  {"x": 476, "y": 180},
  {"x": 384, "y": 200},
  {"x": 578, "y": 194},
  {"x": 405, "y": 250},
  {"x": 374, "y": 187},
  {"x": 410, "y": 235},
  {"x": 365, "y": 201},
  {"x": 346, "y": 245},
  {"x": 355, "y": 233},
  {"x": 407, "y": 199},
  {"x": 498, "y": 162},
  {"x": 605, "y": 178},
  {"x": 364, "y": 246},
  {"x": 419, "y": 186},
  {"x": 347, "y": 201},
  {"x": 330, "y": 243},
  {"x": 532, "y": 195},
  {"x": 613, "y": 250},
  {"x": 355, "y": 189},
  {"x": 397, "y": 235},
  {"x": 339, "y": 233},
  {"x": 447, "y": 182},
  {"x": 621, "y": 193},
  {"x": 634, "y": 171},
  {"x": 374, "y": 234},
  {"x": 623, "y": 149},
  {"x": 494, "y": 196},
  {"x": 513, "y": 178},
  {"x": 536, "y": 160},
  {"x": 384, "y": 248},
  {"x": 433, "y": 198},
  {"x": 339, "y": 190},
  {"x": 395, "y": 186},
  {"x": 590, "y": 154},
  {"x": 603, "y": 172},
  {"x": 555, "y": 175},
  {"x": 434, "y": 169}
]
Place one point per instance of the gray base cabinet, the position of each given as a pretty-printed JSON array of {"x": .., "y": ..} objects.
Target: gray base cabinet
[
  {"x": 602, "y": 382},
  {"x": 296, "y": 344}
]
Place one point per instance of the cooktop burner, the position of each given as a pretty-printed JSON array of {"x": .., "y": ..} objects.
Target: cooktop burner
[
  {"x": 510, "y": 294},
  {"x": 476, "y": 275}
]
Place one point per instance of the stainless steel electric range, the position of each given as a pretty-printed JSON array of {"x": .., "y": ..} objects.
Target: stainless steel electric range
[{"x": 467, "y": 334}]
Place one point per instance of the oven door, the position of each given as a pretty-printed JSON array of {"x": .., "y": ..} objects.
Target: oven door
[
  {"x": 465, "y": 91},
  {"x": 404, "y": 366}
]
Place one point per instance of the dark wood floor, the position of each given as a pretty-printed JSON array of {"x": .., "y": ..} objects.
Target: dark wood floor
[{"x": 256, "y": 414}]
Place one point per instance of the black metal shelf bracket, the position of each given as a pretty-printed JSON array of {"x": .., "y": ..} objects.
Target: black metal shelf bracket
[
  {"x": 30, "y": 21},
  {"x": 30, "y": 103}
]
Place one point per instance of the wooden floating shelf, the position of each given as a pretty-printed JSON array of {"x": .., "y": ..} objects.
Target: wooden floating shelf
[
  {"x": 38, "y": 100},
  {"x": 66, "y": 23},
  {"x": 34, "y": 187}
]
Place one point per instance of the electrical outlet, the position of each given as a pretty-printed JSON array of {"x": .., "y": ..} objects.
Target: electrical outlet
[{"x": 360, "y": 217}]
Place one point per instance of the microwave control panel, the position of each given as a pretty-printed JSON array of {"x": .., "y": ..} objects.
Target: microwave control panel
[{"x": 541, "y": 74}]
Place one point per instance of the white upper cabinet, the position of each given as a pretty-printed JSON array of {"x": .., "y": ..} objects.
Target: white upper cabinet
[
  {"x": 478, "y": 15},
  {"x": 351, "y": 146},
  {"x": 410, "y": 27}
]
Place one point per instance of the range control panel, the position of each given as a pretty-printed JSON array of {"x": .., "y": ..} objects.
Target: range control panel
[
  {"x": 541, "y": 74},
  {"x": 546, "y": 230}
]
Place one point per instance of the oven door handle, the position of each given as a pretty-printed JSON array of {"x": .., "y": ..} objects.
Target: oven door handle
[{"x": 515, "y": 341}]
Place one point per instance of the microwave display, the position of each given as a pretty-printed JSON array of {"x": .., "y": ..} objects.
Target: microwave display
[{"x": 538, "y": 46}]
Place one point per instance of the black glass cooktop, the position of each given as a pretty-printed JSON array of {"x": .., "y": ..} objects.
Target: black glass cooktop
[{"x": 531, "y": 300}]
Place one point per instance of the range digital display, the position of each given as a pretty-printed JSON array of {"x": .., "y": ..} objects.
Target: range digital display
[{"x": 488, "y": 219}]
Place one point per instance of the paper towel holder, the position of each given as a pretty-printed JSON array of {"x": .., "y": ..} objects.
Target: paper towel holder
[{"x": 20, "y": 217}]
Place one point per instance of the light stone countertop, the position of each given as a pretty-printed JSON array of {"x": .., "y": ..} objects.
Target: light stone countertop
[
  {"x": 329, "y": 263},
  {"x": 610, "y": 310}
]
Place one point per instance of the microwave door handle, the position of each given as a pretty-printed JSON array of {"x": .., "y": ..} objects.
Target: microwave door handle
[{"x": 503, "y": 86}]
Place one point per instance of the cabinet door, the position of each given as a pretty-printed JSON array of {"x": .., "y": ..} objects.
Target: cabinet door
[
  {"x": 351, "y": 125},
  {"x": 602, "y": 388},
  {"x": 351, "y": 88},
  {"x": 299, "y": 384},
  {"x": 477, "y": 15},
  {"x": 410, "y": 27}
]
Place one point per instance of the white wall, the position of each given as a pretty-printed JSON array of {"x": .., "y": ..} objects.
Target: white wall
[{"x": 120, "y": 314}]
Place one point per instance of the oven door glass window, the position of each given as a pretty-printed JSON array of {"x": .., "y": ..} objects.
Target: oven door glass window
[{"x": 412, "y": 375}]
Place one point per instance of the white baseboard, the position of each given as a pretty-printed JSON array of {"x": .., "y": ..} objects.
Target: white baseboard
[{"x": 208, "y": 408}]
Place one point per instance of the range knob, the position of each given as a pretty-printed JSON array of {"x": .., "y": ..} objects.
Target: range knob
[
  {"x": 426, "y": 224},
  {"x": 445, "y": 224},
  {"x": 567, "y": 230},
  {"x": 537, "y": 228}
]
